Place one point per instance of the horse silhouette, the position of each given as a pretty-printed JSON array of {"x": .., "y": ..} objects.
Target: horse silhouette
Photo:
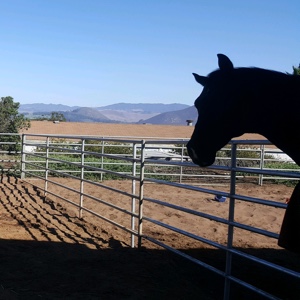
[{"x": 235, "y": 101}]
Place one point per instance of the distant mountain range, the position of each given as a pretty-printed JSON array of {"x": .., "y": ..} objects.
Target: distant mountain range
[{"x": 150, "y": 113}]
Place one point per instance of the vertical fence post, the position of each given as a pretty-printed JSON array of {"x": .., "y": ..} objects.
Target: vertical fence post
[
  {"x": 46, "y": 167},
  {"x": 133, "y": 200},
  {"x": 23, "y": 157},
  {"x": 262, "y": 164},
  {"x": 81, "y": 178},
  {"x": 230, "y": 221},
  {"x": 181, "y": 168},
  {"x": 141, "y": 193},
  {"x": 102, "y": 159}
]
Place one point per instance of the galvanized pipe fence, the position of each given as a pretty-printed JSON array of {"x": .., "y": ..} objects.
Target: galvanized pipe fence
[
  {"x": 251, "y": 153},
  {"x": 84, "y": 160}
]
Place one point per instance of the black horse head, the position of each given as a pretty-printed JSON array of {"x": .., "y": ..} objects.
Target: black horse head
[
  {"x": 215, "y": 126},
  {"x": 235, "y": 101}
]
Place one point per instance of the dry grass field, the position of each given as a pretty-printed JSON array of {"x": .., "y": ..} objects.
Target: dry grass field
[{"x": 118, "y": 130}]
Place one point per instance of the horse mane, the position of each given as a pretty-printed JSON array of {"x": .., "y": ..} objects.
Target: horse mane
[{"x": 266, "y": 74}]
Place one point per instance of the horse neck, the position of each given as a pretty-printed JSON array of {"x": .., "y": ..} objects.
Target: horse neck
[
  {"x": 266, "y": 93},
  {"x": 269, "y": 105}
]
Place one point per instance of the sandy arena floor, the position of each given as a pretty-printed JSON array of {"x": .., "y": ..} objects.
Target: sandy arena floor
[{"x": 47, "y": 252}]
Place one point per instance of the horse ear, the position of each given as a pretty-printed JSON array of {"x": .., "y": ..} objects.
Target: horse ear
[
  {"x": 224, "y": 62},
  {"x": 200, "y": 79}
]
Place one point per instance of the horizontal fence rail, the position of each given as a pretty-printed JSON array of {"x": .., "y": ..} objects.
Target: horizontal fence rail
[{"x": 46, "y": 160}]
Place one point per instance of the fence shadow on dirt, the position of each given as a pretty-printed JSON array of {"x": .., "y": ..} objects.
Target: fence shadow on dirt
[{"x": 54, "y": 270}]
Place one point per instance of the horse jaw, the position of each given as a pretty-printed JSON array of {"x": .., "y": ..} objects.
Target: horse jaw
[{"x": 196, "y": 160}]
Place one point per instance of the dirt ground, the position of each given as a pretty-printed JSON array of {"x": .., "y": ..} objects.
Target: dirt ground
[{"x": 47, "y": 252}]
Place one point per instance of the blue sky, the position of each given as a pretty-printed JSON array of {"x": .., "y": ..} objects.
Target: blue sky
[{"x": 100, "y": 52}]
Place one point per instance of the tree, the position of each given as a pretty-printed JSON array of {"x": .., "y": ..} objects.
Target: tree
[
  {"x": 11, "y": 122},
  {"x": 56, "y": 116},
  {"x": 10, "y": 119}
]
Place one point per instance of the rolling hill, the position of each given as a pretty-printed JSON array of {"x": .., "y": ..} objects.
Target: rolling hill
[
  {"x": 44, "y": 108},
  {"x": 177, "y": 117},
  {"x": 86, "y": 114}
]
